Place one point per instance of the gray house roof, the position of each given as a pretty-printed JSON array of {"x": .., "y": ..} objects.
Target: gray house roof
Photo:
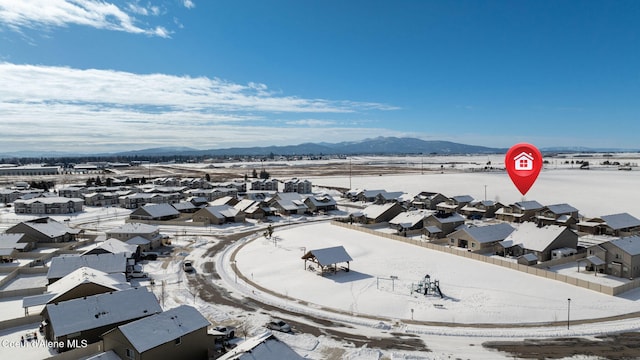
[
  {"x": 621, "y": 221},
  {"x": 561, "y": 209},
  {"x": 529, "y": 205},
  {"x": 263, "y": 347},
  {"x": 490, "y": 233},
  {"x": 96, "y": 311},
  {"x": 629, "y": 244},
  {"x": 156, "y": 210},
  {"x": 328, "y": 256},
  {"x": 158, "y": 329},
  {"x": 108, "y": 263}
]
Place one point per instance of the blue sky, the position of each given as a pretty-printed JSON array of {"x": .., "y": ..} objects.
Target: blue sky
[{"x": 88, "y": 75}]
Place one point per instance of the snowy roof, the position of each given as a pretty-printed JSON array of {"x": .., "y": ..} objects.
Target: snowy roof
[
  {"x": 374, "y": 211},
  {"x": 138, "y": 240},
  {"x": 95, "y": 311},
  {"x": 407, "y": 219},
  {"x": 322, "y": 200},
  {"x": 629, "y": 244},
  {"x": 184, "y": 205},
  {"x": 530, "y": 257},
  {"x": 158, "y": 329},
  {"x": 222, "y": 211},
  {"x": 11, "y": 241},
  {"x": 328, "y": 256},
  {"x": 621, "y": 221},
  {"x": 561, "y": 209},
  {"x": 63, "y": 265},
  {"x": 462, "y": 198},
  {"x": 113, "y": 246},
  {"x": 50, "y": 227},
  {"x": 529, "y": 236},
  {"x": 489, "y": 233},
  {"x": 529, "y": 205},
  {"x": 221, "y": 201},
  {"x": 83, "y": 275},
  {"x": 157, "y": 210},
  {"x": 134, "y": 228},
  {"x": 433, "y": 229},
  {"x": 593, "y": 259},
  {"x": 263, "y": 347}
]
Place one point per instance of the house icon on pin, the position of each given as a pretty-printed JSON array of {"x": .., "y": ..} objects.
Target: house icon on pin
[{"x": 523, "y": 161}]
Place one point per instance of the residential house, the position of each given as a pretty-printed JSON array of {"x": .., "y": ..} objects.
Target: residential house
[
  {"x": 374, "y": 214},
  {"x": 185, "y": 207},
  {"x": 48, "y": 205},
  {"x": 102, "y": 199},
  {"x": 428, "y": 200},
  {"x": 251, "y": 208},
  {"x": 113, "y": 246},
  {"x": 480, "y": 209},
  {"x": 44, "y": 230},
  {"x": 519, "y": 212},
  {"x": 87, "y": 318},
  {"x": 386, "y": 197},
  {"x": 265, "y": 184},
  {"x": 61, "y": 266},
  {"x": 480, "y": 238},
  {"x": 619, "y": 257},
  {"x": 320, "y": 203},
  {"x": 155, "y": 212},
  {"x": 79, "y": 283},
  {"x": 558, "y": 214},
  {"x": 288, "y": 204},
  {"x": 409, "y": 222},
  {"x": 297, "y": 186},
  {"x": 178, "y": 333},
  {"x": 218, "y": 215},
  {"x": 453, "y": 204},
  {"x": 530, "y": 238},
  {"x": 8, "y": 196},
  {"x": 129, "y": 231},
  {"x": 225, "y": 200},
  {"x": 622, "y": 224},
  {"x": 439, "y": 225}
]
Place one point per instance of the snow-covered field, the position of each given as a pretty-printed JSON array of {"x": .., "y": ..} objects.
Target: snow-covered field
[{"x": 475, "y": 292}]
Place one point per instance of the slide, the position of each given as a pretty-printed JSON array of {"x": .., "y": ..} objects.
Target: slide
[{"x": 439, "y": 291}]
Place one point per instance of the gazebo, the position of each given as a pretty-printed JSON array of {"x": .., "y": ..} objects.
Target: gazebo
[{"x": 327, "y": 258}]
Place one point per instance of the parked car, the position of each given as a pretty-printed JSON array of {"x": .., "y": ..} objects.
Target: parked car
[
  {"x": 228, "y": 331},
  {"x": 149, "y": 255},
  {"x": 187, "y": 266},
  {"x": 279, "y": 325}
]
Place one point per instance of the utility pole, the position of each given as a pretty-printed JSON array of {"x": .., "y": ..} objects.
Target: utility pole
[{"x": 568, "y": 311}]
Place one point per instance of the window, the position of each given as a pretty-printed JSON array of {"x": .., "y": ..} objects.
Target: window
[
  {"x": 178, "y": 341},
  {"x": 453, "y": 241},
  {"x": 524, "y": 163},
  {"x": 473, "y": 245},
  {"x": 129, "y": 353}
]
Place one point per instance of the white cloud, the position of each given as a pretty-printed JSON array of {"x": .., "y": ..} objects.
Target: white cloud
[
  {"x": 58, "y": 107},
  {"x": 60, "y": 13},
  {"x": 189, "y": 4},
  {"x": 311, "y": 122}
]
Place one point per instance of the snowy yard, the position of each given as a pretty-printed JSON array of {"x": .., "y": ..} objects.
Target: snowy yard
[{"x": 475, "y": 292}]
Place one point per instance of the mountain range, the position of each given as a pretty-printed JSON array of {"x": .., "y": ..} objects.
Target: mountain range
[{"x": 376, "y": 146}]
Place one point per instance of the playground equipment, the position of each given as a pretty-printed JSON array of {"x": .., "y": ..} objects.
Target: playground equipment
[{"x": 428, "y": 287}]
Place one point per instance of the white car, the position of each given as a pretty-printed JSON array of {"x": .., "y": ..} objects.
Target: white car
[{"x": 187, "y": 266}]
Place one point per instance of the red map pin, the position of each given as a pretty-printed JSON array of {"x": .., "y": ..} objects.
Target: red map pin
[{"x": 523, "y": 162}]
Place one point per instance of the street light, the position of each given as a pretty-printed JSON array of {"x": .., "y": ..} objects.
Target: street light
[{"x": 568, "y": 311}]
